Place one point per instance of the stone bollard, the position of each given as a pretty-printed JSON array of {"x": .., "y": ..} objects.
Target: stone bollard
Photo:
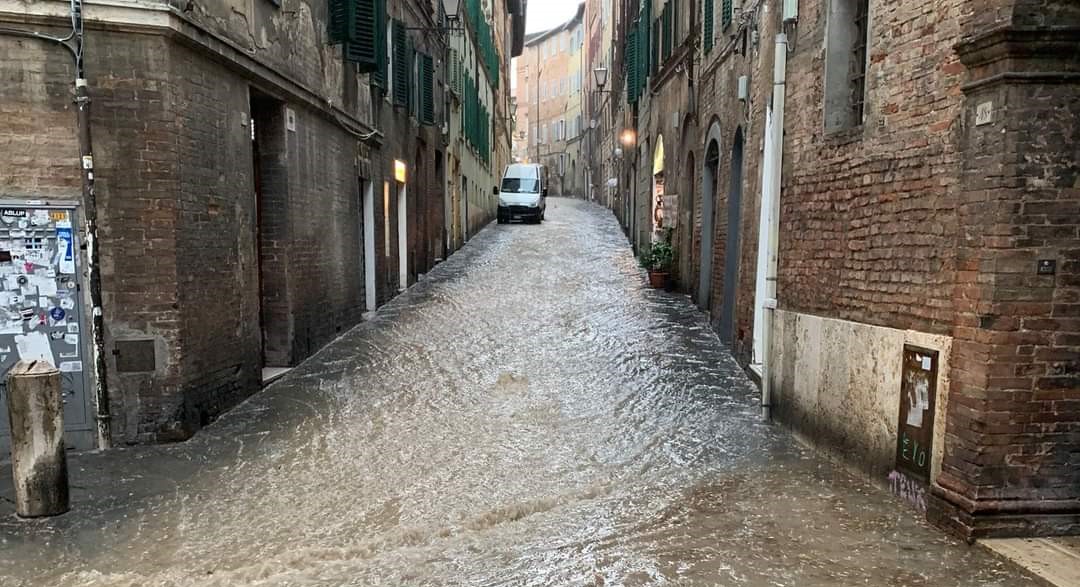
[{"x": 36, "y": 413}]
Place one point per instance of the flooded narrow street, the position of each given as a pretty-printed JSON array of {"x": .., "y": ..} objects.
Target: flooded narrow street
[{"x": 528, "y": 414}]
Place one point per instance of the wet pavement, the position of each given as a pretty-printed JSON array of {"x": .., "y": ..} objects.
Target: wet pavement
[{"x": 528, "y": 414}]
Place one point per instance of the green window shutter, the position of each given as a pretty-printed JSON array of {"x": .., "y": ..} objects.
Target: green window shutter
[
  {"x": 725, "y": 14},
  {"x": 707, "y": 25},
  {"x": 665, "y": 50},
  {"x": 360, "y": 41},
  {"x": 643, "y": 57},
  {"x": 655, "y": 59},
  {"x": 400, "y": 65},
  {"x": 427, "y": 89},
  {"x": 339, "y": 15},
  {"x": 675, "y": 39},
  {"x": 378, "y": 77},
  {"x": 630, "y": 54},
  {"x": 414, "y": 102},
  {"x": 645, "y": 36}
]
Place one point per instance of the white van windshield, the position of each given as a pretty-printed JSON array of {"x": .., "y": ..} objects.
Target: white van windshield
[{"x": 513, "y": 185}]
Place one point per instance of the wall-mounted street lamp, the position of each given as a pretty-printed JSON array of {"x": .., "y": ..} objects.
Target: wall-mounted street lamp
[
  {"x": 628, "y": 137},
  {"x": 600, "y": 75}
]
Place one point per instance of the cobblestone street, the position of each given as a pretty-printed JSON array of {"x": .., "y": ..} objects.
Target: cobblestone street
[{"x": 530, "y": 413}]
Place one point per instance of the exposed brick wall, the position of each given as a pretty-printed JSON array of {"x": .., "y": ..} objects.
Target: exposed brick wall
[
  {"x": 1014, "y": 415},
  {"x": 175, "y": 186},
  {"x": 37, "y": 120},
  {"x": 868, "y": 219},
  {"x": 134, "y": 126},
  {"x": 734, "y": 56}
]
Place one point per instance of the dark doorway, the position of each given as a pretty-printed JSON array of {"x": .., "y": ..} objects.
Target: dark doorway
[
  {"x": 731, "y": 246},
  {"x": 442, "y": 248},
  {"x": 708, "y": 199},
  {"x": 269, "y": 148},
  {"x": 686, "y": 228},
  {"x": 419, "y": 253}
]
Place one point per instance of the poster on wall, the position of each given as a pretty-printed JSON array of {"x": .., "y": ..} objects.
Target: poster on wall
[{"x": 671, "y": 210}]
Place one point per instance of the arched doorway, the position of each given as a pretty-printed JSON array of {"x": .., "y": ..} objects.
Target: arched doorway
[
  {"x": 731, "y": 246},
  {"x": 709, "y": 173}
]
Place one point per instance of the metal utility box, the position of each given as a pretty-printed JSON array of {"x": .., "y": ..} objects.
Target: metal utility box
[
  {"x": 41, "y": 309},
  {"x": 918, "y": 400}
]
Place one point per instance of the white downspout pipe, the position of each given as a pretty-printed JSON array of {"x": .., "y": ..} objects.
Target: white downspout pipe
[{"x": 779, "y": 88}]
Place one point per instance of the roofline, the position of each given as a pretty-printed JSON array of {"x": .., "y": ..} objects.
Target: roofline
[{"x": 533, "y": 38}]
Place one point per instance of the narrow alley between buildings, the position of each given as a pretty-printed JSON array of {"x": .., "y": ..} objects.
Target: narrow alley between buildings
[{"x": 528, "y": 414}]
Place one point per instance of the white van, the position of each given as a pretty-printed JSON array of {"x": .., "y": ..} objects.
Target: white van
[{"x": 523, "y": 195}]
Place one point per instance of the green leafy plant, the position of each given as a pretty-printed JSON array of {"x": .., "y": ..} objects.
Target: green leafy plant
[{"x": 657, "y": 256}]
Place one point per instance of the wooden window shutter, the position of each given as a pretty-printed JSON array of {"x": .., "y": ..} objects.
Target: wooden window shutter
[
  {"x": 725, "y": 14},
  {"x": 666, "y": 34},
  {"x": 401, "y": 66},
  {"x": 427, "y": 90},
  {"x": 378, "y": 77},
  {"x": 707, "y": 25},
  {"x": 360, "y": 42},
  {"x": 339, "y": 15},
  {"x": 645, "y": 35},
  {"x": 642, "y": 56},
  {"x": 631, "y": 66}
]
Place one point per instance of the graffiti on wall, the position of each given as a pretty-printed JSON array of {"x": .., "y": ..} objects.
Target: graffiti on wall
[{"x": 909, "y": 489}]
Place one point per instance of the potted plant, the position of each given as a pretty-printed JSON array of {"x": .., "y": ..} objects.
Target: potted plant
[{"x": 656, "y": 259}]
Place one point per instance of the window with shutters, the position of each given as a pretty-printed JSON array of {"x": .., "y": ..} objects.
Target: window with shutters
[
  {"x": 707, "y": 32},
  {"x": 666, "y": 32},
  {"x": 631, "y": 63},
  {"x": 400, "y": 64},
  {"x": 725, "y": 14},
  {"x": 846, "y": 39},
  {"x": 654, "y": 53},
  {"x": 427, "y": 90},
  {"x": 355, "y": 25}
]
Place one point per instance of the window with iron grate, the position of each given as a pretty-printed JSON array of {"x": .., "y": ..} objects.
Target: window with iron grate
[{"x": 846, "y": 43}]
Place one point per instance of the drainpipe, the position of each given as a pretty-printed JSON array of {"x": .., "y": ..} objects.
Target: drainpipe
[{"x": 779, "y": 88}]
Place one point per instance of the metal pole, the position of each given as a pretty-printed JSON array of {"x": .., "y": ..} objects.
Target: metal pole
[{"x": 86, "y": 159}]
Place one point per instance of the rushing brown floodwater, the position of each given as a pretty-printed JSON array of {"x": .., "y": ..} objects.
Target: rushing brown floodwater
[{"x": 529, "y": 414}]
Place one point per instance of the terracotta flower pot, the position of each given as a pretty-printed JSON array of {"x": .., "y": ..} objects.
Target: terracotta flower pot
[{"x": 658, "y": 279}]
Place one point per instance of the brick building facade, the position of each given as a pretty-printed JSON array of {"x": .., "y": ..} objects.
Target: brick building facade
[
  {"x": 549, "y": 91},
  {"x": 928, "y": 209},
  {"x": 246, "y": 182}
]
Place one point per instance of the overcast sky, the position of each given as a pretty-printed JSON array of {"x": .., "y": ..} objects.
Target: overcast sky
[{"x": 544, "y": 14}]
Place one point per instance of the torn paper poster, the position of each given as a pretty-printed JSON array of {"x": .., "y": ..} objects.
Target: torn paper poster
[
  {"x": 34, "y": 346},
  {"x": 71, "y": 339},
  {"x": 45, "y": 285},
  {"x": 67, "y": 304},
  {"x": 919, "y": 399}
]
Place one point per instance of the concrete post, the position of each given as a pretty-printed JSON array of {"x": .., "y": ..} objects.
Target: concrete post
[{"x": 36, "y": 413}]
